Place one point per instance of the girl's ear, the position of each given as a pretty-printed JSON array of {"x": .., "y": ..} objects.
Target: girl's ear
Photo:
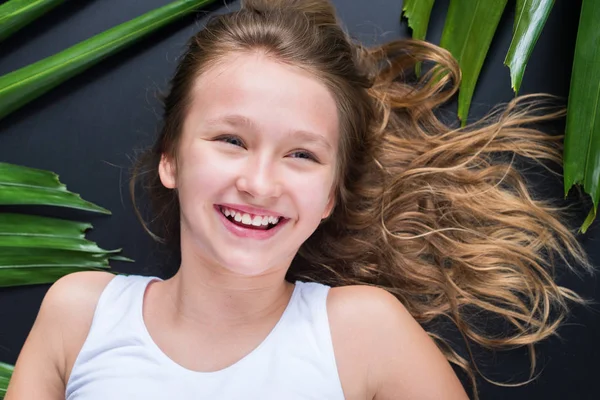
[
  {"x": 167, "y": 172},
  {"x": 329, "y": 207}
]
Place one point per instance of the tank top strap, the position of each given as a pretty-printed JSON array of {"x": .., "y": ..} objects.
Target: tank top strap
[
  {"x": 308, "y": 334},
  {"x": 313, "y": 301},
  {"x": 117, "y": 306}
]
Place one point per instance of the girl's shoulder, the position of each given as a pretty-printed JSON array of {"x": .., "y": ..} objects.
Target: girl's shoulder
[
  {"x": 380, "y": 349},
  {"x": 57, "y": 335},
  {"x": 362, "y": 304},
  {"x": 73, "y": 299}
]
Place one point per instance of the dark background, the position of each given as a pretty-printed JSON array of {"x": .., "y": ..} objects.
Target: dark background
[{"x": 88, "y": 131}]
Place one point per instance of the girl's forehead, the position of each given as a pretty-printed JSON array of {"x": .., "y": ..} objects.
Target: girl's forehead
[{"x": 256, "y": 91}]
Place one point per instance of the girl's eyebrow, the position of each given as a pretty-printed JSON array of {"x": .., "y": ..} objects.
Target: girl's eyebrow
[
  {"x": 231, "y": 119},
  {"x": 311, "y": 137},
  {"x": 237, "y": 120}
]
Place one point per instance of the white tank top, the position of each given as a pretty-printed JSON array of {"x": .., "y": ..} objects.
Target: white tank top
[{"x": 119, "y": 360}]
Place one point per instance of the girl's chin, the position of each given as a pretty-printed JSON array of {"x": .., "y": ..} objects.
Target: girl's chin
[{"x": 242, "y": 267}]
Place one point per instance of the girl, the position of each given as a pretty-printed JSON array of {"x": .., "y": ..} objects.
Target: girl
[{"x": 283, "y": 137}]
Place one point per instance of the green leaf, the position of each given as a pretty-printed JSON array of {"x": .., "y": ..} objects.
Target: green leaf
[
  {"x": 35, "y": 249},
  {"x": 36, "y": 276},
  {"x": 17, "y": 257},
  {"x": 519, "y": 10},
  {"x": 35, "y": 232},
  {"x": 33, "y": 225},
  {"x": 529, "y": 22},
  {"x": 468, "y": 31},
  {"x": 120, "y": 258},
  {"x": 15, "y": 14},
  {"x": 21, "y": 86},
  {"x": 28, "y": 186},
  {"x": 588, "y": 221},
  {"x": 49, "y": 242},
  {"x": 6, "y": 371},
  {"x": 582, "y": 139},
  {"x": 417, "y": 12}
]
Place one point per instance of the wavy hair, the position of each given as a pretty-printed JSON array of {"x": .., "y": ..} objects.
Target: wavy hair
[{"x": 429, "y": 212}]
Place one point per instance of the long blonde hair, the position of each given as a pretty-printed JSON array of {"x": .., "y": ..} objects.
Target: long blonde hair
[{"x": 424, "y": 210}]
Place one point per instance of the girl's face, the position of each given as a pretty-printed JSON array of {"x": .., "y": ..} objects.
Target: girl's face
[{"x": 255, "y": 164}]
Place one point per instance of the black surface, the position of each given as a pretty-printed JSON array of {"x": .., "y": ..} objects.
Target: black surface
[{"x": 87, "y": 130}]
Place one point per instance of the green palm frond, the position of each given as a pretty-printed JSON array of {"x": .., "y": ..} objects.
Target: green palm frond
[
  {"x": 468, "y": 32},
  {"x": 582, "y": 139},
  {"x": 22, "y": 185},
  {"x": 35, "y": 249},
  {"x": 15, "y": 14},
  {"x": 23, "y": 85},
  {"x": 6, "y": 371},
  {"x": 530, "y": 19}
]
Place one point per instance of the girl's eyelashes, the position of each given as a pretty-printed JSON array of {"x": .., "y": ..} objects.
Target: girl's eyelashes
[
  {"x": 238, "y": 142},
  {"x": 231, "y": 139},
  {"x": 305, "y": 155}
]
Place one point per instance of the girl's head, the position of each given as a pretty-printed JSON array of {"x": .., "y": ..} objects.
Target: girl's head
[
  {"x": 274, "y": 107},
  {"x": 259, "y": 139},
  {"x": 267, "y": 109}
]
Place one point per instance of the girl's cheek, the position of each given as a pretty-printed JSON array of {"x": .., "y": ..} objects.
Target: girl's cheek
[{"x": 314, "y": 192}]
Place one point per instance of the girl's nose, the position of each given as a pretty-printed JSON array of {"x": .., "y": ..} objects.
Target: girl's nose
[{"x": 259, "y": 179}]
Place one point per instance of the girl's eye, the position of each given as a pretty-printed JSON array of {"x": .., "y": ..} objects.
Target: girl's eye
[
  {"x": 304, "y": 155},
  {"x": 234, "y": 140}
]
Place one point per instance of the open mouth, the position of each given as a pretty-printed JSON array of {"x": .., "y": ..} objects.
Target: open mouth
[{"x": 250, "y": 221}]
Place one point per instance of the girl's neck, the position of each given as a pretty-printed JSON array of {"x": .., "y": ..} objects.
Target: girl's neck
[{"x": 199, "y": 296}]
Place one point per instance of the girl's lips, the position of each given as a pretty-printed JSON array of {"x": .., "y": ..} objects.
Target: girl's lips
[{"x": 249, "y": 232}]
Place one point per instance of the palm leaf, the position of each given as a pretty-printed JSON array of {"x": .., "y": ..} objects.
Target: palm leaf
[
  {"x": 29, "y": 186},
  {"x": 530, "y": 19},
  {"x": 119, "y": 258},
  {"x": 36, "y": 275},
  {"x": 582, "y": 139},
  {"x": 50, "y": 242},
  {"x": 418, "y": 12},
  {"x": 31, "y": 231},
  {"x": 468, "y": 31},
  {"x": 519, "y": 10},
  {"x": 25, "y": 257},
  {"x": 21, "y": 86},
  {"x": 36, "y": 249},
  {"x": 15, "y": 14},
  {"x": 6, "y": 371},
  {"x": 31, "y": 225}
]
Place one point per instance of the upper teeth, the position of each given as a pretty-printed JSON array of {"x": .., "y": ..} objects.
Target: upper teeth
[{"x": 247, "y": 219}]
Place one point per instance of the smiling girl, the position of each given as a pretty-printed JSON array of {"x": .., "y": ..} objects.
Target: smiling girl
[{"x": 283, "y": 137}]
